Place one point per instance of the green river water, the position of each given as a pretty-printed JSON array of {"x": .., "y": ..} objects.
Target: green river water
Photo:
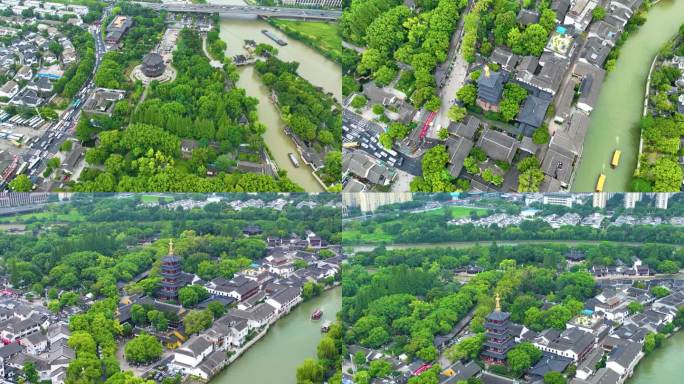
[
  {"x": 663, "y": 366},
  {"x": 614, "y": 121},
  {"x": 274, "y": 358}
]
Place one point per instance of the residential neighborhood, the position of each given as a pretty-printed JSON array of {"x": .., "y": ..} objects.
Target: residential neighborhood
[
  {"x": 513, "y": 294},
  {"x": 509, "y": 107},
  {"x": 188, "y": 307}
]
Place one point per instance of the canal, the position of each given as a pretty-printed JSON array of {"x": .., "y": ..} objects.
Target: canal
[
  {"x": 314, "y": 67},
  {"x": 275, "y": 358},
  {"x": 664, "y": 365},
  {"x": 614, "y": 120},
  {"x": 487, "y": 243}
]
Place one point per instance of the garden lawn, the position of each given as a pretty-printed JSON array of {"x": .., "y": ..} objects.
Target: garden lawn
[{"x": 325, "y": 35}]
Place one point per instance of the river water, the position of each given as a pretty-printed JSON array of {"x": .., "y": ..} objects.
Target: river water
[
  {"x": 486, "y": 243},
  {"x": 614, "y": 120},
  {"x": 293, "y": 338},
  {"x": 664, "y": 365},
  {"x": 313, "y": 66}
]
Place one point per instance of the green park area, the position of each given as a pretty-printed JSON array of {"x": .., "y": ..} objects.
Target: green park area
[
  {"x": 155, "y": 198},
  {"x": 458, "y": 212},
  {"x": 322, "y": 36},
  {"x": 356, "y": 236},
  {"x": 357, "y": 233},
  {"x": 53, "y": 216}
]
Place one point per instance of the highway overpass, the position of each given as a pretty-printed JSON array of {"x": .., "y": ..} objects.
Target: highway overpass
[{"x": 248, "y": 10}]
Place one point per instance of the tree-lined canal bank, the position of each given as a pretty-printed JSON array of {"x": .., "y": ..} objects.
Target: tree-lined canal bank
[
  {"x": 615, "y": 119},
  {"x": 314, "y": 67}
]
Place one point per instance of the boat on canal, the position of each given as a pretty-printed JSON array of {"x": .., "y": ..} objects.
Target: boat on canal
[
  {"x": 600, "y": 182},
  {"x": 273, "y": 37},
  {"x": 616, "y": 158},
  {"x": 317, "y": 314},
  {"x": 325, "y": 327},
  {"x": 293, "y": 159}
]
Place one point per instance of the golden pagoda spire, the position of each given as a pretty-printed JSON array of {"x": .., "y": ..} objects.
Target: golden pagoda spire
[
  {"x": 171, "y": 247},
  {"x": 498, "y": 303}
]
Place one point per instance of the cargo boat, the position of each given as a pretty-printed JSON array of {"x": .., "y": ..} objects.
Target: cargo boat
[
  {"x": 273, "y": 37},
  {"x": 293, "y": 159},
  {"x": 600, "y": 182},
  {"x": 616, "y": 159}
]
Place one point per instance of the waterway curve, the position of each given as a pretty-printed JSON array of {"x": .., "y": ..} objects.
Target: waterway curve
[
  {"x": 314, "y": 67},
  {"x": 614, "y": 120}
]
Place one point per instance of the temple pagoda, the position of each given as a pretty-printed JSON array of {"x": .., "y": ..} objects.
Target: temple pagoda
[
  {"x": 498, "y": 338},
  {"x": 170, "y": 275}
]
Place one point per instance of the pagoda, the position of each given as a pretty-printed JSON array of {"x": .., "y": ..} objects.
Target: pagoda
[
  {"x": 170, "y": 275},
  {"x": 498, "y": 337}
]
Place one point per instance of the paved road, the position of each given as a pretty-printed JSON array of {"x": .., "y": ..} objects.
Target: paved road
[
  {"x": 247, "y": 10},
  {"x": 366, "y": 133},
  {"x": 47, "y": 146},
  {"x": 456, "y": 69}
]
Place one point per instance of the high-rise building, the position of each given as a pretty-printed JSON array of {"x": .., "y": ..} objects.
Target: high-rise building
[
  {"x": 498, "y": 338},
  {"x": 599, "y": 200},
  {"x": 170, "y": 275},
  {"x": 661, "y": 200},
  {"x": 631, "y": 198},
  {"x": 370, "y": 201}
]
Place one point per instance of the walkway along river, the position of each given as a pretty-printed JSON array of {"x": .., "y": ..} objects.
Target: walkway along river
[
  {"x": 293, "y": 338},
  {"x": 614, "y": 121},
  {"x": 314, "y": 67}
]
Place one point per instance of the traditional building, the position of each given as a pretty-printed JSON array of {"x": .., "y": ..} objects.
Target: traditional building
[
  {"x": 171, "y": 275},
  {"x": 498, "y": 336},
  {"x": 153, "y": 65},
  {"x": 490, "y": 86}
]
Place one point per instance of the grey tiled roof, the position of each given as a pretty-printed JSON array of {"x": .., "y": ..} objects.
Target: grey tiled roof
[
  {"x": 490, "y": 86},
  {"x": 498, "y": 145},
  {"x": 533, "y": 110},
  {"x": 458, "y": 149}
]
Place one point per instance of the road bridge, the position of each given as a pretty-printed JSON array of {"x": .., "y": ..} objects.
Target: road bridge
[{"x": 248, "y": 10}]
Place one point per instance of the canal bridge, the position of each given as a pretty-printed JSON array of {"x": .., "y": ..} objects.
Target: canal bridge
[{"x": 248, "y": 10}]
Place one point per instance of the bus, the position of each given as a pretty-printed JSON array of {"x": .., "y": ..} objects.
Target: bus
[
  {"x": 34, "y": 162},
  {"x": 600, "y": 182}
]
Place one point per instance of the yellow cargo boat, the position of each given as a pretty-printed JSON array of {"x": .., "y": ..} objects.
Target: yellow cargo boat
[
  {"x": 600, "y": 182},
  {"x": 616, "y": 159}
]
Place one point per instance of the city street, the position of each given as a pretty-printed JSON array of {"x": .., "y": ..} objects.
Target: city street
[
  {"x": 457, "y": 70},
  {"x": 47, "y": 146},
  {"x": 366, "y": 134}
]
